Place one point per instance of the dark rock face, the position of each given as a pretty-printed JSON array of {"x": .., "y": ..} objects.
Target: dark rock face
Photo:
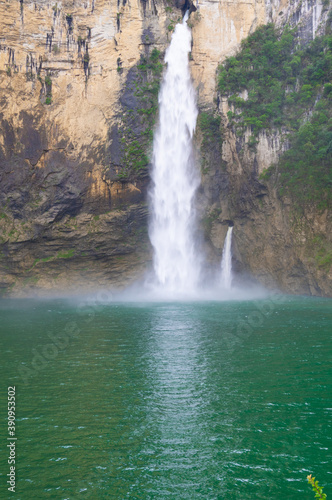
[
  {"x": 180, "y": 4},
  {"x": 282, "y": 249},
  {"x": 185, "y": 5},
  {"x": 74, "y": 217},
  {"x": 33, "y": 140},
  {"x": 130, "y": 136},
  {"x": 128, "y": 98},
  {"x": 56, "y": 235}
]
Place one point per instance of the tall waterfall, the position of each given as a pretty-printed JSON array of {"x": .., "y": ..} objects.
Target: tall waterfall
[
  {"x": 226, "y": 261},
  {"x": 174, "y": 175}
]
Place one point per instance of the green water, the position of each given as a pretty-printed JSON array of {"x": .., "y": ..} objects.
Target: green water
[{"x": 180, "y": 401}]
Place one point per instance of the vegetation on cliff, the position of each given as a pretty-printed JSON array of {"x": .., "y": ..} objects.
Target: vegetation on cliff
[
  {"x": 305, "y": 168},
  {"x": 209, "y": 129},
  {"x": 140, "y": 110},
  {"x": 275, "y": 82}
]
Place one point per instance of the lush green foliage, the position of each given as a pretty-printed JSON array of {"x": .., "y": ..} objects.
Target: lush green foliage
[
  {"x": 281, "y": 80},
  {"x": 284, "y": 83},
  {"x": 305, "y": 169},
  {"x": 151, "y": 63},
  {"x": 322, "y": 251},
  {"x": 318, "y": 490},
  {"x": 136, "y": 147},
  {"x": 210, "y": 128},
  {"x": 48, "y": 89}
]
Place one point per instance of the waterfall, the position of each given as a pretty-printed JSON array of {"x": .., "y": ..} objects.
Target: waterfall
[
  {"x": 174, "y": 175},
  {"x": 226, "y": 261}
]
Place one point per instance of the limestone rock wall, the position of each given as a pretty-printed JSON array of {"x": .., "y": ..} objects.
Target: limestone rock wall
[
  {"x": 219, "y": 26},
  {"x": 280, "y": 247},
  {"x": 63, "y": 70}
]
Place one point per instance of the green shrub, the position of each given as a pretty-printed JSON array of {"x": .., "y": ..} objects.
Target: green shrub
[
  {"x": 328, "y": 89},
  {"x": 136, "y": 142},
  {"x": 154, "y": 56},
  {"x": 210, "y": 127},
  {"x": 318, "y": 490},
  {"x": 305, "y": 169},
  {"x": 268, "y": 66},
  {"x": 287, "y": 87}
]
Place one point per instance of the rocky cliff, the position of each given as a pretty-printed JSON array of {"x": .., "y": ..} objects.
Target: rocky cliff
[
  {"x": 283, "y": 242},
  {"x": 78, "y": 100}
]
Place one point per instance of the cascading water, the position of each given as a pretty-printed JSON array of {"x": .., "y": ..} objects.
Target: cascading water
[
  {"x": 226, "y": 261},
  {"x": 175, "y": 179}
]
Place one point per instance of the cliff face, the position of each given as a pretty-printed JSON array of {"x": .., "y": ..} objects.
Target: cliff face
[
  {"x": 281, "y": 245},
  {"x": 66, "y": 217},
  {"x": 75, "y": 136}
]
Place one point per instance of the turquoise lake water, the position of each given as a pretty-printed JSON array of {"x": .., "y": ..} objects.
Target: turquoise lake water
[{"x": 229, "y": 400}]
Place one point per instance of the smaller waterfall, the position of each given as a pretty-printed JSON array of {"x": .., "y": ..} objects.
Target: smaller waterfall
[{"x": 226, "y": 261}]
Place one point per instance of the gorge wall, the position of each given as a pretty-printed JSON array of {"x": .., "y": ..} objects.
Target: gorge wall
[{"x": 78, "y": 101}]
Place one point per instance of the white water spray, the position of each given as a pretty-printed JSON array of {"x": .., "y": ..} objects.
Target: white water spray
[
  {"x": 175, "y": 178},
  {"x": 226, "y": 261}
]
